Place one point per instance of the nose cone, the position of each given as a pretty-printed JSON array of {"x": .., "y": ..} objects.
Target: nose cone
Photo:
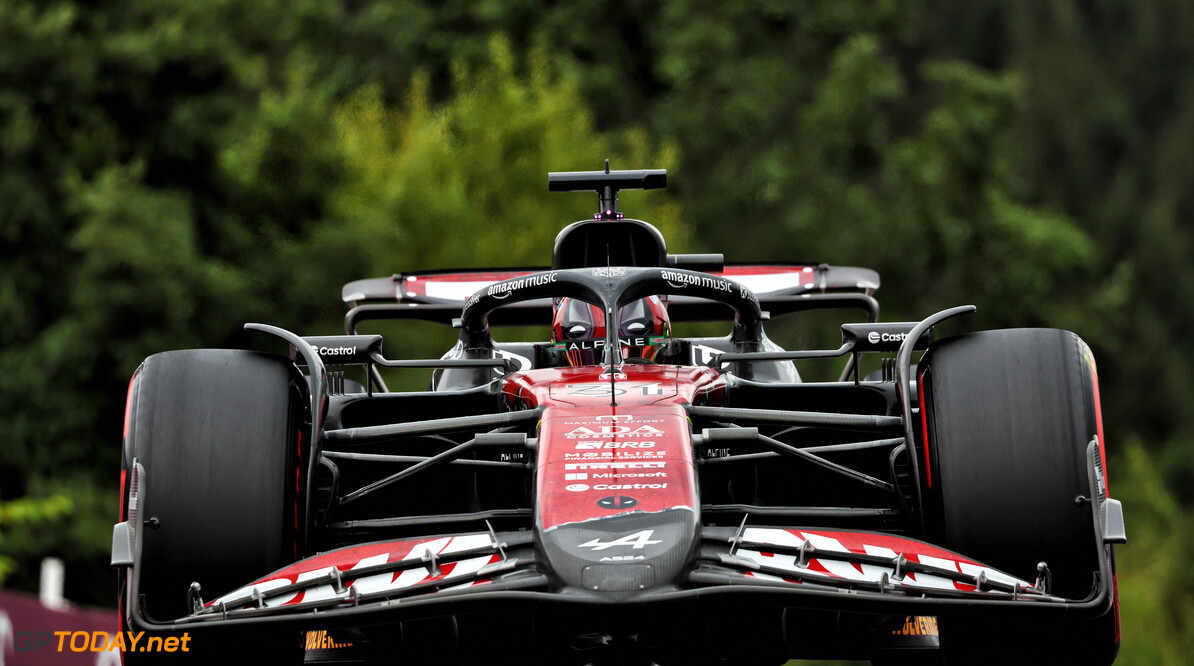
[{"x": 623, "y": 554}]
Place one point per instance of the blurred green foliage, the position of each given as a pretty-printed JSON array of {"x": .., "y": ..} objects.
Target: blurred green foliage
[
  {"x": 170, "y": 171},
  {"x": 24, "y": 513}
]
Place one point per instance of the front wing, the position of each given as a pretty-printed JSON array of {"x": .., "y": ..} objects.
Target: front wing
[{"x": 779, "y": 584}]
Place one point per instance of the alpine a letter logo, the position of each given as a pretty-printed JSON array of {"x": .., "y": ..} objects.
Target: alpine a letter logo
[{"x": 637, "y": 541}]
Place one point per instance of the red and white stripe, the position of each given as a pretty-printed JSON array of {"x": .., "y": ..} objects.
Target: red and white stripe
[{"x": 359, "y": 557}]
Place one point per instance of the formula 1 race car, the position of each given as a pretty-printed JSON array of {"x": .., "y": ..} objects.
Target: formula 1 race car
[{"x": 618, "y": 494}]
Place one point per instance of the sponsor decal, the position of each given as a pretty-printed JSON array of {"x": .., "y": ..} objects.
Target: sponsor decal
[
  {"x": 504, "y": 289},
  {"x": 682, "y": 280},
  {"x": 629, "y": 475},
  {"x": 615, "y": 445},
  {"x": 602, "y": 389},
  {"x": 875, "y": 337},
  {"x": 310, "y": 572},
  {"x": 336, "y": 351},
  {"x": 612, "y": 271},
  {"x": 872, "y": 544},
  {"x": 655, "y": 464},
  {"x": 630, "y": 486},
  {"x": 576, "y": 476},
  {"x": 747, "y": 294},
  {"x": 584, "y": 432},
  {"x": 622, "y": 558},
  {"x": 633, "y": 454},
  {"x": 576, "y": 487},
  {"x": 917, "y": 626},
  {"x": 637, "y": 541},
  {"x": 524, "y": 363},
  {"x": 616, "y": 418},
  {"x": 319, "y": 640},
  {"x": 702, "y": 354},
  {"x": 617, "y": 502},
  {"x": 595, "y": 344}
]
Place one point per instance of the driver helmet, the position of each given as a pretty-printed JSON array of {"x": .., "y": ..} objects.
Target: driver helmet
[{"x": 578, "y": 330}]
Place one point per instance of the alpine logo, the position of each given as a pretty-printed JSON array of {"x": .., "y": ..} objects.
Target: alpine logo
[
  {"x": 634, "y": 454},
  {"x": 637, "y": 541}
]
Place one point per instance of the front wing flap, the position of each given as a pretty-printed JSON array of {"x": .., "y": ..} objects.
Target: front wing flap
[
  {"x": 868, "y": 562},
  {"x": 791, "y": 563}
]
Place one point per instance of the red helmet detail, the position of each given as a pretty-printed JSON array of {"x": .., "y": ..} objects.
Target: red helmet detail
[{"x": 578, "y": 330}]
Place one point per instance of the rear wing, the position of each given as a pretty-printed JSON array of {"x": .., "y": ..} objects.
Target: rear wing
[{"x": 439, "y": 296}]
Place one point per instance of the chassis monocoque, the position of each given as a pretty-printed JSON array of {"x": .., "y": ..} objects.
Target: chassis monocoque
[{"x": 709, "y": 507}]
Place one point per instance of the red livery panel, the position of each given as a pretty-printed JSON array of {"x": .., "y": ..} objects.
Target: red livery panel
[{"x": 611, "y": 445}]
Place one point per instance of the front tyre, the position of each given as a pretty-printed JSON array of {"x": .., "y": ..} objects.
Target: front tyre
[
  {"x": 217, "y": 433},
  {"x": 1008, "y": 416}
]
